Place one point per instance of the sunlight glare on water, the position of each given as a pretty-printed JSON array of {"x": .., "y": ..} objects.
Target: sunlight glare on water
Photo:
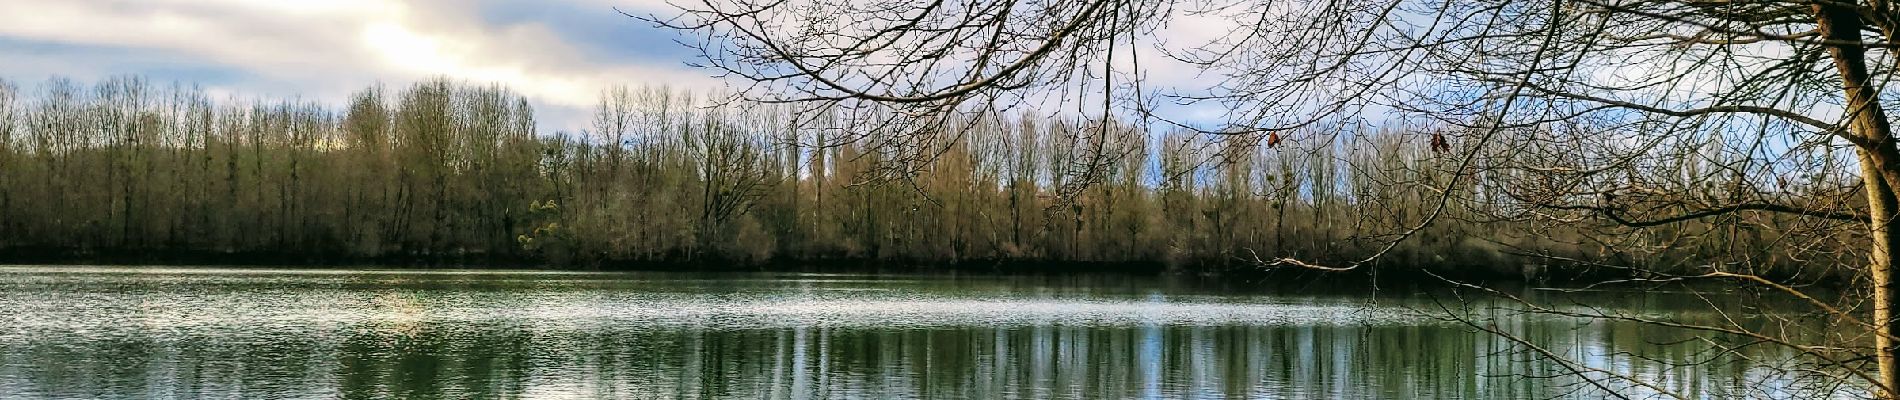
[{"x": 110, "y": 332}]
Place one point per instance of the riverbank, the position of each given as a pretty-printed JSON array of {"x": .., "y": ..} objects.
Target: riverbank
[{"x": 1386, "y": 274}]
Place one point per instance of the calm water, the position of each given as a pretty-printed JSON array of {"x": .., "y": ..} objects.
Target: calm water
[{"x": 85, "y": 332}]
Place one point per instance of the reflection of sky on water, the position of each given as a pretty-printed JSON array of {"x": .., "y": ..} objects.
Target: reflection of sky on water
[{"x": 198, "y": 333}]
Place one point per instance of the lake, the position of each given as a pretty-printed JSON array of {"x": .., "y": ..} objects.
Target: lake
[{"x": 147, "y": 332}]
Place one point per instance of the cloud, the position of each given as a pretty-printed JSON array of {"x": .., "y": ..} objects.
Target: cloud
[{"x": 559, "y": 54}]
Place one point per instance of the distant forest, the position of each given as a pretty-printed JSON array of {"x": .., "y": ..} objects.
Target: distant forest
[{"x": 446, "y": 173}]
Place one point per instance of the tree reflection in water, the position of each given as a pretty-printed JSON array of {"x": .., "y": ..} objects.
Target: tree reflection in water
[{"x": 487, "y": 335}]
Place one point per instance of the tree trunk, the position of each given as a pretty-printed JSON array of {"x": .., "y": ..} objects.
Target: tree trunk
[
  {"x": 1881, "y": 207},
  {"x": 1880, "y": 172}
]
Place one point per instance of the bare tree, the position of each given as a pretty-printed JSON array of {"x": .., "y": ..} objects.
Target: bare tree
[
  {"x": 448, "y": 172},
  {"x": 1641, "y": 113}
]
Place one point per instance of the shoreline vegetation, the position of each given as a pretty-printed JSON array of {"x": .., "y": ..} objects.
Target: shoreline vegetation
[{"x": 446, "y": 173}]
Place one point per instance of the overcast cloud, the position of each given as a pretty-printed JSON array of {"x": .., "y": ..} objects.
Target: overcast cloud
[{"x": 559, "y": 53}]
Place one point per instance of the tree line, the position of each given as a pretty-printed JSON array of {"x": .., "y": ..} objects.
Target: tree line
[
  {"x": 448, "y": 172},
  {"x": 1711, "y": 146}
]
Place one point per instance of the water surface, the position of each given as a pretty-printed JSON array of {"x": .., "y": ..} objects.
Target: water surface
[{"x": 112, "y": 332}]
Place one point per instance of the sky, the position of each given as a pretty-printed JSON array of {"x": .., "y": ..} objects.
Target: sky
[{"x": 558, "y": 53}]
